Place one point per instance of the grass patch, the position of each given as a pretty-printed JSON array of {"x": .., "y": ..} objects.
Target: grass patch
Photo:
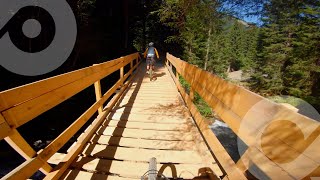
[
  {"x": 201, "y": 105},
  {"x": 287, "y": 99}
]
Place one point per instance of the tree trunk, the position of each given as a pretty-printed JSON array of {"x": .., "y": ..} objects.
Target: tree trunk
[{"x": 208, "y": 49}]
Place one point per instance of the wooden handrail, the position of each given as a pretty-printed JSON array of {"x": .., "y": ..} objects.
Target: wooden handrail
[
  {"x": 22, "y": 104},
  {"x": 237, "y": 107}
]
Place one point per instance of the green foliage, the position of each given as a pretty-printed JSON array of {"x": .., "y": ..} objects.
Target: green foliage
[
  {"x": 84, "y": 8},
  {"x": 282, "y": 56},
  {"x": 202, "y": 106},
  {"x": 184, "y": 84},
  {"x": 290, "y": 100},
  {"x": 290, "y": 50}
]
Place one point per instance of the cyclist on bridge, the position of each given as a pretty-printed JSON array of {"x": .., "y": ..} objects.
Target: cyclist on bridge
[{"x": 150, "y": 54}]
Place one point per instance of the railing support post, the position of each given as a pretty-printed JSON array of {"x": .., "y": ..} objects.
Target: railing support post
[
  {"x": 97, "y": 88},
  {"x": 122, "y": 72},
  {"x": 191, "y": 93},
  {"x": 18, "y": 143},
  {"x": 177, "y": 75},
  {"x": 131, "y": 66}
]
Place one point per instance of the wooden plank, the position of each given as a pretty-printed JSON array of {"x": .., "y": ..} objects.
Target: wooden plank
[
  {"x": 160, "y": 110},
  {"x": 144, "y": 104},
  {"x": 148, "y": 125},
  {"x": 56, "y": 158},
  {"x": 97, "y": 89},
  {"x": 150, "y": 95},
  {"x": 150, "y": 100},
  {"x": 20, "y": 145},
  {"x": 74, "y": 127},
  {"x": 4, "y": 128},
  {"x": 147, "y": 118},
  {"x": 121, "y": 72},
  {"x": 25, "y": 170},
  {"x": 218, "y": 150},
  {"x": 135, "y": 169},
  {"x": 13, "y": 97},
  {"x": 25, "y": 112},
  {"x": 80, "y": 175},
  {"x": 56, "y": 144},
  {"x": 233, "y": 103},
  {"x": 142, "y": 155},
  {"x": 270, "y": 169},
  {"x": 9, "y": 98},
  {"x": 72, "y": 154},
  {"x": 147, "y": 134},
  {"x": 142, "y": 143}
]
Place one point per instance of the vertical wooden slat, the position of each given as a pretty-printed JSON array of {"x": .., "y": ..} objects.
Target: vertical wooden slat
[
  {"x": 62, "y": 166},
  {"x": 19, "y": 144},
  {"x": 191, "y": 94},
  {"x": 244, "y": 162},
  {"x": 122, "y": 72},
  {"x": 4, "y": 127},
  {"x": 97, "y": 88}
]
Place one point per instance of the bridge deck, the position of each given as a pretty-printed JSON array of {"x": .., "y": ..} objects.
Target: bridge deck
[{"x": 149, "y": 120}]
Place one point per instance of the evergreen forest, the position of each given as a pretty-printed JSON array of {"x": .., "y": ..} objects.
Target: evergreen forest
[{"x": 279, "y": 54}]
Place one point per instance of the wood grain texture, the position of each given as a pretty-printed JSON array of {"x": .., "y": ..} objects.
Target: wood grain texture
[
  {"x": 32, "y": 164},
  {"x": 285, "y": 135}
]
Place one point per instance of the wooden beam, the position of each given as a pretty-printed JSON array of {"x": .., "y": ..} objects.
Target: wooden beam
[
  {"x": 97, "y": 88},
  {"x": 25, "y": 170},
  {"x": 219, "y": 153},
  {"x": 61, "y": 168},
  {"x": 12, "y": 97},
  {"x": 18, "y": 95},
  {"x": 4, "y": 128},
  {"x": 19, "y": 144},
  {"x": 22, "y": 113},
  {"x": 191, "y": 94},
  {"x": 233, "y": 103}
]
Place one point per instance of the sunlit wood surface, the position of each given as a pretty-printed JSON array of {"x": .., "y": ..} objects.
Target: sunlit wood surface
[{"x": 149, "y": 120}]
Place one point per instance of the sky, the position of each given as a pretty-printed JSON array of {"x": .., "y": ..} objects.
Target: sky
[
  {"x": 252, "y": 19},
  {"x": 240, "y": 12}
]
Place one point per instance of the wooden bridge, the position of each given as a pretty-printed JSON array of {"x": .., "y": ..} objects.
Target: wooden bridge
[{"x": 157, "y": 118}]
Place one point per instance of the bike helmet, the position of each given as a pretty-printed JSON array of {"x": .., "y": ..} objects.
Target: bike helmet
[{"x": 151, "y": 44}]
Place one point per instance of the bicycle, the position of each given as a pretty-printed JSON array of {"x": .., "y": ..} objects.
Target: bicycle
[
  {"x": 150, "y": 64},
  {"x": 204, "y": 173},
  {"x": 152, "y": 173}
]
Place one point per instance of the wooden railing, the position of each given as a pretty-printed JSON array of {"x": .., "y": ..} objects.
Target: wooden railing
[
  {"x": 280, "y": 142},
  {"x": 22, "y": 104}
]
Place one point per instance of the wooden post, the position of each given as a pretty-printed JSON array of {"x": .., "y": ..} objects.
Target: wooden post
[
  {"x": 131, "y": 65},
  {"x": 191, "y": 94},
  {"x": 177, "y": 75},
  {"x": 4, "y": 128},
  {"x": 122, "y": 72},
  {"x": 19, "y": 144},
  {"x": 97, "y": 88},
  {"x": 244, "y": 162}
]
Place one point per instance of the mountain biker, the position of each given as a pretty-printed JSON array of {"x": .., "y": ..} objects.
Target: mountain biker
[{"x": 150, "y": 54}]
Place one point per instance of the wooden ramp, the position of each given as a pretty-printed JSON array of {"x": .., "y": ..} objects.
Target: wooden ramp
[{"x": 149, "y": 120}]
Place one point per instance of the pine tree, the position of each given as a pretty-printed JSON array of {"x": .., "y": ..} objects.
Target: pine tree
[{"x": 290, "y": 48}]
